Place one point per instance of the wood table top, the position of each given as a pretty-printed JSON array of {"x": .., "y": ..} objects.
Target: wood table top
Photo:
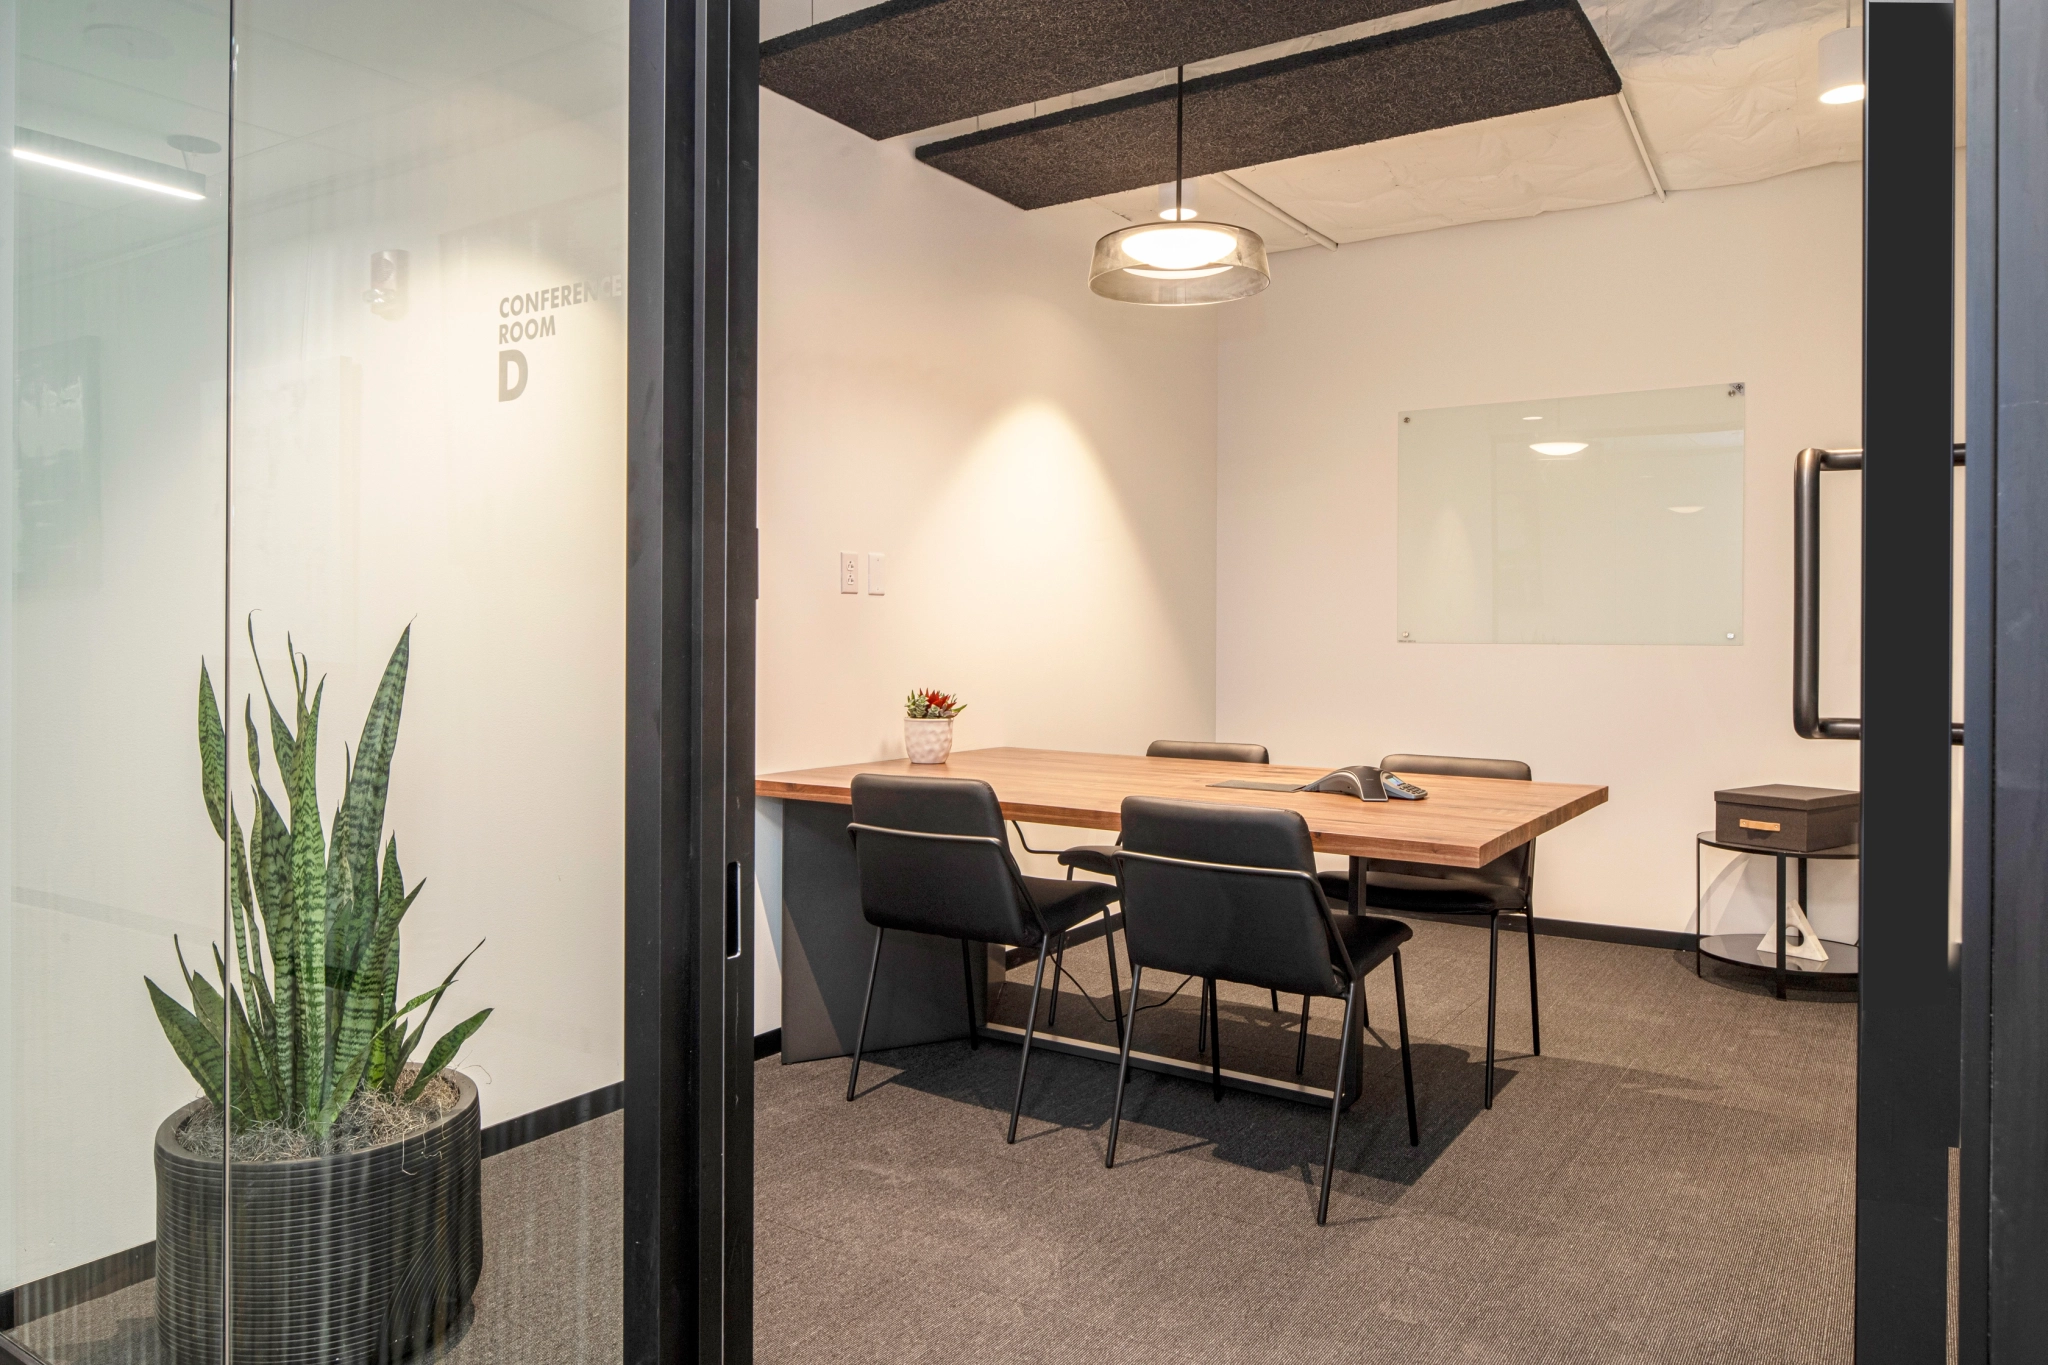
[{"x": 1465, "y": 822}]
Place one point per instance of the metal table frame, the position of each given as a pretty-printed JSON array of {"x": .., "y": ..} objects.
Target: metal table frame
[{"x": 1838, "y": 951}]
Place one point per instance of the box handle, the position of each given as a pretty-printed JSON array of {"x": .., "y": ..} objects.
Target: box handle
[{"x": 1769, "y": 826}]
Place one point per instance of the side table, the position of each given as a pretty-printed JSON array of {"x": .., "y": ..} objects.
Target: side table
[{"x": 1740, "y": 949}]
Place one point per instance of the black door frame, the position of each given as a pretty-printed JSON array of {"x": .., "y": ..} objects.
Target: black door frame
[
  {"x": 689, "y": 1142},
  {"x": 2003, "y": 1196},
  {"x": 1906, "y": 1022}
]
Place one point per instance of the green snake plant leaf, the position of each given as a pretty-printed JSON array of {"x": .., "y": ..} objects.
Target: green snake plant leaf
[
  {"x": 369, "y": 778},
  {"x": 443, "y": 1053},
  {"x": 282, "y": 743},
  {"x": 351, "y": 918},
  {"x": 270, "y": 856},
  {"x": 365, "y": 1017},
  {"x": 213, "y": 753},
  {"x": 251, "y": 1084},
  {"x": 432, "y": 1000},
  {"x": 349, "y": 1077},
  {"x": 309, "y": 908},
  {"x": 249, "y": 944},
  {"x": 205, "y": 999},
  {"x": 199, "y": 1050},
  {"x": 396, "y": 900}
]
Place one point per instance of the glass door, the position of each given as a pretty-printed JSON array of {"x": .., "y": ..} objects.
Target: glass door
[
  {"x": 116, "y": 214},
  {"x": 319, "y": 438}
]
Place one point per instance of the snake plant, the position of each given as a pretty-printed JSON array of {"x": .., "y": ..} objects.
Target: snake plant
[{"x": 311, "y": 1016}]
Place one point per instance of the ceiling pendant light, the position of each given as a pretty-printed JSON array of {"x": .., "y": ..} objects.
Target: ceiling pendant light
[
  {"x": 1841, "y": 64},
  {"x": 1174, "y": 263}
]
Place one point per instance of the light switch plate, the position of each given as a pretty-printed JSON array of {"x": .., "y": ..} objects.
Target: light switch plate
[
  {"x": 874, "y": 574},
  {"x": 849, "y": 571}
]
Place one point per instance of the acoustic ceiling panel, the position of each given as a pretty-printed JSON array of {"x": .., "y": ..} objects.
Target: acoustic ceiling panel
[
  {"x": 1528, "y": 55},
  {"x": 904, "y": 65}
]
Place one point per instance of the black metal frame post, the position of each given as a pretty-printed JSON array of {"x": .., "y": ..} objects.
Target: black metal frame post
[
  {"x": 2003, "y": 1316},
  {"x": 1906, "y": 1044},
  {"x": 692, "y": 154}
]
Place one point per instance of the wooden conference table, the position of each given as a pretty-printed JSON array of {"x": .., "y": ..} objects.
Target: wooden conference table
[{"x": 1466, "y": 822}]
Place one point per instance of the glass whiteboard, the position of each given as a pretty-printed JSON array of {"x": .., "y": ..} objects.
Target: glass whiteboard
[{"x": 1611, "y": 519}]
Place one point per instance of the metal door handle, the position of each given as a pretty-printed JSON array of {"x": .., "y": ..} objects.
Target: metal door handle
[{"x": 1806, "y": 716}]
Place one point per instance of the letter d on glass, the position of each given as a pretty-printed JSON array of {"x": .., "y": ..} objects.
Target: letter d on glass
[{"x": 510, "y": 388}]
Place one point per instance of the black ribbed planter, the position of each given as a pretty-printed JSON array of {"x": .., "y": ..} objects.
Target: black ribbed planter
[{"x": 346, "y": 1260}]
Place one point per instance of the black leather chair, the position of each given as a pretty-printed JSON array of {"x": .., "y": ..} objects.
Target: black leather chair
[
  {"x": 933, "y": 859},
  {"x": 1230, "y": 893},
  {"x": 1502, "y": 887},
  {"x": 1101, "y": 858}
]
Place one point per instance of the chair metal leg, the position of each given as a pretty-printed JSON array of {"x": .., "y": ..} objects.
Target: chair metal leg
[
  {"x": 1059, "y": 966},
  {"x": 860, "y": 1036},
  {"x": 967, "y": 977},
  {"x": 1202, "y": 1018},
  {"x": 1364, "y": 1006},
  {"x": 1123, "y": 1067},
  {"x": 1276, "y": 1002},
  {"x": 1116, "y": 995},
  {"x": 1215, "y": 1045},
  {"x": 1337, "y": 1104},
  {"x": 1407, "y": 1066},
  {"x": 1535, "y": 1019},
  {"x": 1030, "y": 1025},
  {"x": 1492, "y": 990},
  {"x": 1301, "y": 1044}
]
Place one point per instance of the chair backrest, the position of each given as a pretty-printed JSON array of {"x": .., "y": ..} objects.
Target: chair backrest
[
  {"x": 1516, "y": 867},
  {"x": 1217, "y": 751},
  {"x": 1230, "y": 892},
  {"x": 933, "y": 858}
]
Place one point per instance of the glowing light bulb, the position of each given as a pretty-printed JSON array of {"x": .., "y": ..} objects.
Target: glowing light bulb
[
  {"x": 1558, "y": 449},
  {"x": 1178, "y": 248}
]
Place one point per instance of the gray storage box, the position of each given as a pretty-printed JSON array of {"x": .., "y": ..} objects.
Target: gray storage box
[{"x": 1786, "y": 819}]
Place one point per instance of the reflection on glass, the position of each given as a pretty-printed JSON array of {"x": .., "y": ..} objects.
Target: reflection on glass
[
  {"x": 409, "y": 750},
  {"x": 1614, "y": 519},
  {"x": 115, "y": 523}
]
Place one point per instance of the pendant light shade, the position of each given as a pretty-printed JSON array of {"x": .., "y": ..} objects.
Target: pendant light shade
[
  {"x": 1179, "y": 262},
  {"x": 1179, "y": 265},
  {"x": 1841, "y": 64}
]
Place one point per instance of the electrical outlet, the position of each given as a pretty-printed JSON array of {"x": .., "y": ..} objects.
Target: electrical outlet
[
  {"x": 849, "y": 571},
  {"x": 874, "y": 574}
]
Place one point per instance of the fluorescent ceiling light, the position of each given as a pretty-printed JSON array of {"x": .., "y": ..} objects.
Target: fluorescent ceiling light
[
  {"x": 99, "y": 163},
  {"x": 1558, "y": 448},
  {"x": 1685, "y": 511},
  {"x": 1532, "y": 419}
]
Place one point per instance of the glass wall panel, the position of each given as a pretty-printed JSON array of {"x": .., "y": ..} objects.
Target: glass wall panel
[
  {"x": 115, "y": 210},
  {"x": 375, "y": 541},
  {"x": 428, "y": 544}
]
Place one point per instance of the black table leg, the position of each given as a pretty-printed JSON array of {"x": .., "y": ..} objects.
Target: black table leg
[{"x": 1781, "y": 926}]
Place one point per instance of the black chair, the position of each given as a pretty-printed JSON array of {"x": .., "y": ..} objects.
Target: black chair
[
  {"x": 933, "y": 859},
  {"x": 1101, "y": 858},
  {"x": 1230, "y": 893},
  {"x": 1502, "y": 887}
]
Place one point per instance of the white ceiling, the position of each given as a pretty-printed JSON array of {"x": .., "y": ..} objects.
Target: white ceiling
[{"x": 1723, "y": 91}]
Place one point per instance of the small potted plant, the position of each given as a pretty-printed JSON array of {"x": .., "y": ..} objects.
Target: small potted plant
[
  {"x": 928, "y": 725},
  {"x": 357, "y": 1193}
]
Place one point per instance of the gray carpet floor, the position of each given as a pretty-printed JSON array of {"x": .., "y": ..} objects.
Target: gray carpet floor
[{"x": 1670, "y": 1182}]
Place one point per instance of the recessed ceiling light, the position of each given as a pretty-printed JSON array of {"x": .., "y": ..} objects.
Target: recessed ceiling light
[
  {"x": 1532, "y": 419},
  {"x": 1558, "y": 449},
  {"x": 1685, "y": 511}
]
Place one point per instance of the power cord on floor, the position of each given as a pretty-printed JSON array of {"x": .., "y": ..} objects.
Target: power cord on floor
[{"x": 1108, "y": 1019}]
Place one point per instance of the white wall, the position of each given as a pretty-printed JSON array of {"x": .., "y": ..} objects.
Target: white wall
[
  {"x": 1757, "y": 283},
  {"x": 1037, "y": 464}
]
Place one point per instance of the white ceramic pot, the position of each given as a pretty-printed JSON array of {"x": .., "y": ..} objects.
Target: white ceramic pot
[{"x": 927, "y": 740}]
